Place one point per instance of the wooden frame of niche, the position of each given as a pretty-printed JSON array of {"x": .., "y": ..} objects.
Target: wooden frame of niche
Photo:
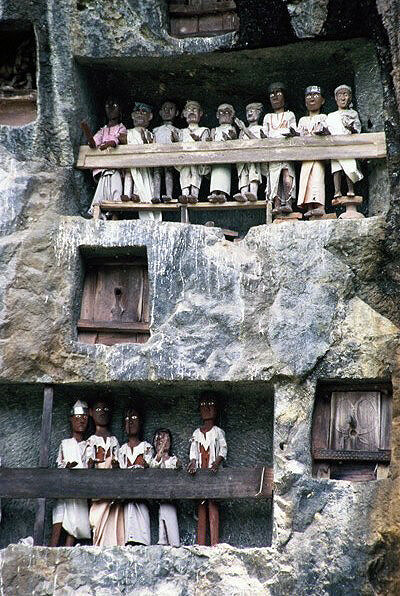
[
  {"x": 115, "y": 300},
  {"x": 351, "y": 431}
]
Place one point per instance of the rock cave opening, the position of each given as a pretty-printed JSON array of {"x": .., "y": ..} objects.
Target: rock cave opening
[
  {"x": 246, "y": 416},
  {"x": 18, "y": 93},
  {"x": 242, "y": 77}
]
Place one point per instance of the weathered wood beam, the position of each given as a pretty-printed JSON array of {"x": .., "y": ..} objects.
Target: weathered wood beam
[
  {"x": 131, "y": 206},
  {"x": 383, "y": 455},
  {"x": 227, "y": 483},
  {"x": 45, "y": 436},
  {"x": 120, "y": 326},
  {"x": 199, "y": 9},
  {"x": 362, "y": 146}
]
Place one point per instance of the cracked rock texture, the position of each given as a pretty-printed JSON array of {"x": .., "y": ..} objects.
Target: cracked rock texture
[{"x": 262, "y": 321}]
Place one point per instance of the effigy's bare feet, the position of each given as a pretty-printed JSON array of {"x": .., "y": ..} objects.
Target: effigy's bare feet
[
  {"x": 183, "y": 199},
  {"x": 316, "y": 211},
  {"x": 286, "y": 208},
  {"x": 221, "y": 197},
  {"x": 166, "y": 199},
  {"x": 192, "y": 199},
  {"x": 213, "y": 197},
  {"x": 250, "y": 197},
  {"x": 239, "y": 198},
  {"x": 135, "y": 198},
  {"x": 125, "y": 198},
  {"x": 156, "y": 200}
]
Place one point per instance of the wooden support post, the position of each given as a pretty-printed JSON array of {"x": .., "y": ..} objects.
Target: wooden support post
[
  {"x": 184, "y": 214},
  {"x": 45, "y": 435}
]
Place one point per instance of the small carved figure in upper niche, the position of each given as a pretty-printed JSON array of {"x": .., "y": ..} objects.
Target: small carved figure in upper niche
[
  {"x": 250, "y": 174},
  {"x": 191, "y": 176},
  {"x": 136, "y": 453},
  {"x": 102, "y": 450},
  {"x": 168, "y": 528},
  {"x": 344, "y": 121},
  {"x": 166, "y": 133},
  {"x": 312, "y": 173},
  {"x": 109, "y": 183},
  {"x": 72, "y": 515},
  {"x": 220, "y": 184},
  {"x": 208, "y": 449},
  {"x": 138, "y": 182},
  {"x": 281, "y": 187}
]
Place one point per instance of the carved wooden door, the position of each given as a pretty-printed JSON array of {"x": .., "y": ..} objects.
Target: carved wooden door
[
  {"x": 351, "y": 434},
  {"x": 115, "y": 302}
]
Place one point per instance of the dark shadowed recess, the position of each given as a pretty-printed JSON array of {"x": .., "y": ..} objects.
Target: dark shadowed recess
[{"x": 246, "y": 416}]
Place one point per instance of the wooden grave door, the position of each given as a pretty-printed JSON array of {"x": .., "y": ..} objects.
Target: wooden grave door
[
  {"x": 202, "y": 17},
  {"x": 351, "y": 435},
  {"x": 115, "y": 301}
]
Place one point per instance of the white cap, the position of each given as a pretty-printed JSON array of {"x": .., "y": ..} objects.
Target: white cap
[{"x": 79, "y": 407}]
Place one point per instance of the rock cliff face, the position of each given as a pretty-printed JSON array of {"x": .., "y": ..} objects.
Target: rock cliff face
[{"x": 263, "y": 321}]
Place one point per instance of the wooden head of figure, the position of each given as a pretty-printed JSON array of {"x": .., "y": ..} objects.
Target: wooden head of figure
[
  {"x": 277, "y": 96},
  {"x": 141, "y": 115},
  {"x": 192, "y": 112},
  {"x": 162, "y": 441},
  {"x": 133, "y": 421},
  {"x": 314, "y": 99},
  {"x": 343, "y": 97},
  {"x": 208, "y": 406},
  {"x": 101, "y": 414},
  {"x": 253, "y": 112},
  {"x": 79, "y": 418},
  {"x": 113, "y": 111},
  {"x": 225, "y": 113},
  {"x": 168, "y": 111}
]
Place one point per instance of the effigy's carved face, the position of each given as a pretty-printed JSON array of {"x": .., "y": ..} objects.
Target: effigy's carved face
[
  {"x": 112, "y": 110},
  {"x": 192, "y": 114},
  {"x": 277, "y": 99},
  {"x": 162, "y": 441},
  {"x": 141, "y": 118},
  {"x": 168, "y": 111},
  {"x": 79, "y": 422},
  {"x": 314, "y": 101},
  {"x": 208, "y": 409},
  {"x": 343, "y": 99},
  {"x": 100, "y": 413},
  {"x": 253, "y": 114},
  {"x": 132, "y": 423},
  {"x": 225, "y": 115}
]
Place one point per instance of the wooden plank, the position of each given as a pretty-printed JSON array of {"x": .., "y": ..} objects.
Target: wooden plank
[
  {"x": 96, "y": 262},
  {"x": 362, "y": 146},
  {"x": 45, "y": 436},
  {"x": 202, "y": 206},
  {"x": 354, "y": 472},
  {"x": 119, "y": 326},
  {"x": 383, "y": 455},
  {"x": 355, "y": 420},
  {"x": 131, "y": 206},
  {"x": 228, "y": 483},
  {"x": 203, "y": 8},
  {"x": 320, "y": 433}
]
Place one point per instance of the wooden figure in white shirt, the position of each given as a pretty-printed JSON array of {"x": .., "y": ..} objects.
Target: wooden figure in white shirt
[
  {"x": 220, "y": 183},
  {"x": 250, "y": 174},
  {"x": 168, "y": 528},
  {"x": 106, "y": 517},
  {"x": 165, "y": 134},
  {"x": 136, "y": 453},
  {"x": 72, "y": 515},
  {"x": 208, "y": 449}
]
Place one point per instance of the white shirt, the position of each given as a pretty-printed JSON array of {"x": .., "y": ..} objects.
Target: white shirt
[
  {"x": 127, "y": 456},
  {"x": 335, "y": 122},
  {"x": 72, "y": 451},
  {"x": 134, "y": 136},
  {"x": 308, "y": 124},
  {"x": 200, "y": 131},
  {"x": 213, "y": 441},
  {"x": 163, "y": 134},
  {"x": 109, "y": 444},
  {"x": 171, "y": 463},
  {"x": 275, "y": 125}
]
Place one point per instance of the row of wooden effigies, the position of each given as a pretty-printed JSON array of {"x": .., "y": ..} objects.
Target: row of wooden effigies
[
  {"x": 144, "y": 184},
  {"x": 116, "y": 523}
]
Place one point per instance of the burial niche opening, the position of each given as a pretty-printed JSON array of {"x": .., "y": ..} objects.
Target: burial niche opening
[
  {"x": 115, "y": 301},
  {"x": 18, "y": 95},
  {"x": 197, "y": 18},
  {"x": 351, "y": 433}
]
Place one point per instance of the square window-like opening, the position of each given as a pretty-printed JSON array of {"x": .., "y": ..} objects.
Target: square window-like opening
[
  {"x": 351, "y": 432},
  {"x": 115, "y": 300},
  {"x": 18, "y": 95}
]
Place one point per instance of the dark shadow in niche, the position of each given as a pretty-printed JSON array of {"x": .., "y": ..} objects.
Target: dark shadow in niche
[
  {"x": 247, "y": 419},
  {"x": 264, "y": 23},
  {"x": 18, "y": 95},
  {"x": 115, "y": 297}
]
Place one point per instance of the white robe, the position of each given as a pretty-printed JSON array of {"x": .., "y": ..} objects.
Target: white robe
[
  {"x": 335, "y": 122},
  {"x": 221, "y": 173},
  {"x": 251, "y": 172},
  {"x": 214, "y": 441},
  {"x": 312, "y": 173},
  {"x": 168, "y": 528},
  {"x": 143, "y": 177},
  {"x": 72, "y": 513},
  {"x": 192, "y": 175},
  {"x": 137, "y": 518},
  {"x": 275, "y": 125}
]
